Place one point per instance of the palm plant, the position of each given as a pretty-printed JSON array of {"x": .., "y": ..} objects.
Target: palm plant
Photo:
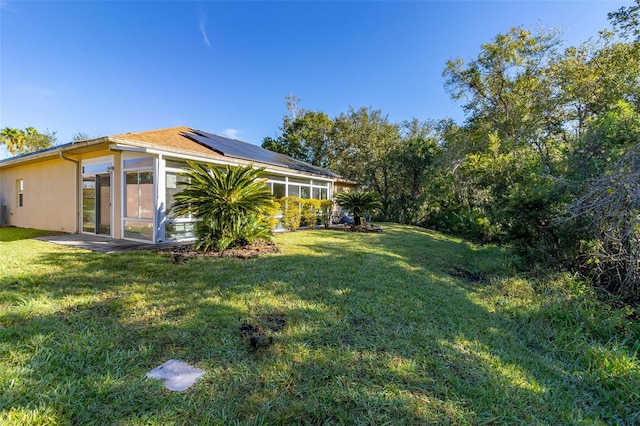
[
  {"x": 13, "y": 139},
  {"x": 227, "y": 203},
  {"x": 359, "y": 203}
]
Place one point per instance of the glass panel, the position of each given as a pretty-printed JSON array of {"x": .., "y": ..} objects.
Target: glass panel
[
  {"x": 146, "y": 195},
  {"x": 180, "y": 230},
  {"x": 304, "y": 181},
  {"x": 138, "y": 163},
  {"x": 175, "y": 184},
  {"x": 305, "y": 192},
  {"x": 89, "y": 204},
  {"x": 323, "y": 194},
  {"x": 316, "y": 193},
  {"x": 146, "y": 177},
  {"x": 139, "y": 195},
  {"x": 132, "y": 178},
  {"x": 277, "y": 178},
  {"x": 103, "y": 203},
  {"x": 279, "y": 190},
  {"x": 175, "y": 164},
  {"x": 138, "y": 230},
  {"x": 319, "y": 183},
  {"x": 131, "y": 199},
  {"x": 96, "y": 168},
  {"x": 294, "y": 190}
]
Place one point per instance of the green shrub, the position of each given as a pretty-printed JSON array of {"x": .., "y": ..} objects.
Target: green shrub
[
  {"x": 359, "y": 203},
  {"x": 326, "y": 208},
  {"x": 310, "y": 212},
  {"x": 291, "y": 212},
  {"x": 270, "y": 212},
  {"x": 229, "y": 204}
]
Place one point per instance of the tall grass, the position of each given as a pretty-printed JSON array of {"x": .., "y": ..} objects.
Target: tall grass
[{"x": 403, "y": 327}]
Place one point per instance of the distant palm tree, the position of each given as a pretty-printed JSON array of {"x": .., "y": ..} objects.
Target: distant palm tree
[
  {"x": 359, "y": 203},
  {"x": 21, "y": 141},
  {"x": 13, "y": 139},
  {"x": 227, "y": 203}
]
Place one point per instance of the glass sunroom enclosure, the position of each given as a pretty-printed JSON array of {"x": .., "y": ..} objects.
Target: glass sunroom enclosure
[{"x": 150, "y": 183}]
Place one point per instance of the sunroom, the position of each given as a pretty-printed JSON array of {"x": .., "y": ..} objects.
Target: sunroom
[{"x": 150, "y": 178}]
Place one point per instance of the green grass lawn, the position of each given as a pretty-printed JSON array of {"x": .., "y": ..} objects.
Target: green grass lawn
[{"x": 403, "y": 327}]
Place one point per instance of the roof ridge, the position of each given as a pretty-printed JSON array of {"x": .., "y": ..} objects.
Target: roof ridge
[{"x": 165, "y": 129}]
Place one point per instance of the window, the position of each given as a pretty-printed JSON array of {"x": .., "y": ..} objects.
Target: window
[
  {"x": 138, "y": 163},
  {"x": 304, "y": 188},
  {"x": 177, "y": 227},
  {"x": 305, "y": 192},
  {"x": 175, "y": 184},
  {"x": 90, "y": 168},
  {"x": 176, "y": 164},
  {"x": 302, "y": 181},
  {"x": 139, "y": 201},
  {"x": 279, "y": 190},
  {"x": 138, "y": 230},
  {"x": 20, "y": 192},
  {"x": 138, "y": 223},
  {"x": 294, "y": 191}
]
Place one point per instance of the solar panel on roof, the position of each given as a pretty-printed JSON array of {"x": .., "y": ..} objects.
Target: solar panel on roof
[{"x": 246, "y": 151}]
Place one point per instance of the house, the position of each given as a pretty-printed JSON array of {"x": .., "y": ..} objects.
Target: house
[{"x": 123, "y": 186}]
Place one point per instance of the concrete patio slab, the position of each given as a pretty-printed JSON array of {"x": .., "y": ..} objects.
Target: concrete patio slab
[{"x": 99, "y": 244}]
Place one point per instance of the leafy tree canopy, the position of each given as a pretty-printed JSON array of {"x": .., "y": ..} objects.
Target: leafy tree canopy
[
  {"x": 22, "y": 141},
  {"x": 627, "y": 20}
]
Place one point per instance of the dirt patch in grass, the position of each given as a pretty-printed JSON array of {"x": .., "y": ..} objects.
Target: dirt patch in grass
[
  {"x": 259, "y": 331},
  {"x": 465, "y": 274},
  {"x": 182, "y": 253}
]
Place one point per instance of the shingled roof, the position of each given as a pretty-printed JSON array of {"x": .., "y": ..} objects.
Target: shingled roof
[{"x": 187, "y": 139}]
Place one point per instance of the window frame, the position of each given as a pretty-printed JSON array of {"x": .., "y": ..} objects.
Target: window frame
[
  {"x": 20, "y": 192},
  {"x": 139, "y": 164},
  {"x": 170, "y": 220}
]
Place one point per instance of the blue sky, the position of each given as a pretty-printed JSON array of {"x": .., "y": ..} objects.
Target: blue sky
[{"x": 104, "y": 68}]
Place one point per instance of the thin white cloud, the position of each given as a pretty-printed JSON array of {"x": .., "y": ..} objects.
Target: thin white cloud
[
  {"x": 231, "y": 133},
  {"x": 203, "y": 31}
]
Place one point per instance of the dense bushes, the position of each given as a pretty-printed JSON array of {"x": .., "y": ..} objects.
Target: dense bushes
[
  {"x": 297, "y": 211},
  {"x": 547, "y": 159}
]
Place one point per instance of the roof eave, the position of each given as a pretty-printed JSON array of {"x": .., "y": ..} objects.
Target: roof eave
[{"x": 53, "y": 151}]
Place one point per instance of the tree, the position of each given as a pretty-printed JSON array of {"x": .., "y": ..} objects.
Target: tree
[
  {"x": 627, "y": 20},
  {"x": 591, "y": 77},
  {"x": 228, "y": 203},
  {"x": 607, "y": 167},
  {"x": 282, "y": 143},
  {"x": 359, "y": 203},
  {"x": 19, "y": 141},
  {"x": 80, "y": 136},
  {"x": 509, "y": 92},
  {"x": 364, "y": 143},
  {"x": 413, "y": 158},
  {"x": 307, "y": 137}
]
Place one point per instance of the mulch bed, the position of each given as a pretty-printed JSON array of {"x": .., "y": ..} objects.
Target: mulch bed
[{"x": 182, "y": 253}]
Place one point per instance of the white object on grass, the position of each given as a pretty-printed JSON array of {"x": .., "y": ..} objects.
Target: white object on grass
[{"x": 177, "y": 375}]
